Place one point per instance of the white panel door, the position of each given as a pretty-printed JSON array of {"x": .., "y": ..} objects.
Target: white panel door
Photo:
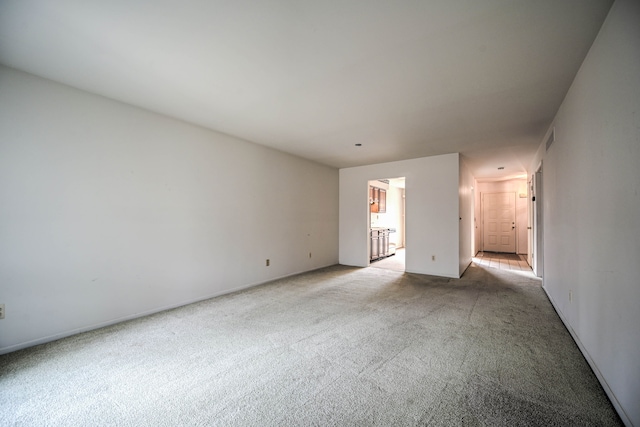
[{"x": 499, "y": 222}]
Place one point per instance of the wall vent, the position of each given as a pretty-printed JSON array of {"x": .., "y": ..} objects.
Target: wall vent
[{"x": 551, "y": 139}]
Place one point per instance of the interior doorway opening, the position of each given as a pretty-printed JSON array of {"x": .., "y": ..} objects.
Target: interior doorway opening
[
  {"x": 386, "y": 219},
  {"x": 538, "y": 235}
]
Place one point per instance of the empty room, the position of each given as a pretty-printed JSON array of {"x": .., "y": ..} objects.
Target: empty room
[{"x": 320, "y": 213}]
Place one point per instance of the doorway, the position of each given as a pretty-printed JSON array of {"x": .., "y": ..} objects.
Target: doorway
[
  {"x": 386, "y": 219},
  {"x": 499, "y": 222},
  {"x": 538, "y": 244}
]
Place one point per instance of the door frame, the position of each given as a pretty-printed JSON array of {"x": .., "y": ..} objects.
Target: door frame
[
  {"x": 538, "y": 223},
  {"x": 402, "y": 216}
]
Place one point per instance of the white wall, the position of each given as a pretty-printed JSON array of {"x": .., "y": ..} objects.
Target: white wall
[
  {"x": 108, "y": 212},
  {"x": 466, "y": 215},
  {"x": 517, "y": 186},
  {"x": 431, "y": 216},
  {"x": 591, "y": 187}
]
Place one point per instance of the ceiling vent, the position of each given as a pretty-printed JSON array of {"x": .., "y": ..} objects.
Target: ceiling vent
[{"x": 551, "y": 139}]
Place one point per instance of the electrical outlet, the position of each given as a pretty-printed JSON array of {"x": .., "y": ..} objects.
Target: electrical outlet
[
  {"x": 1, "y": 311},
  {"x": 268, "y": 262},
  {"x": 433, "y": 257}
]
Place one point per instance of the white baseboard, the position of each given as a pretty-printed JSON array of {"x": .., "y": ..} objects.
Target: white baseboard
[
  {"x": 54, "y": 337},
  {"x": 612, "y": 397}
]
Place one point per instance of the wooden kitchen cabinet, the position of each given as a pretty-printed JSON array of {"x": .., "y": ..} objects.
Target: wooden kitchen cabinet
[
  {"x": 382, "y": 202},
  {"x": 377, "y": 199}
]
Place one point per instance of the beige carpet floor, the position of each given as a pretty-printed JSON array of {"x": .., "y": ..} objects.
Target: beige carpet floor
[{"x": 339, "y": 346}]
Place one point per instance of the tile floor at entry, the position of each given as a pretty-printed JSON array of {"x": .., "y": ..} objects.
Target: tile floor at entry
[{"x": 502, "y": 261}]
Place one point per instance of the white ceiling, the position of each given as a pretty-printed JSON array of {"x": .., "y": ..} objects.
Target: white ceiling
[{"x": 406, "y": 78}]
